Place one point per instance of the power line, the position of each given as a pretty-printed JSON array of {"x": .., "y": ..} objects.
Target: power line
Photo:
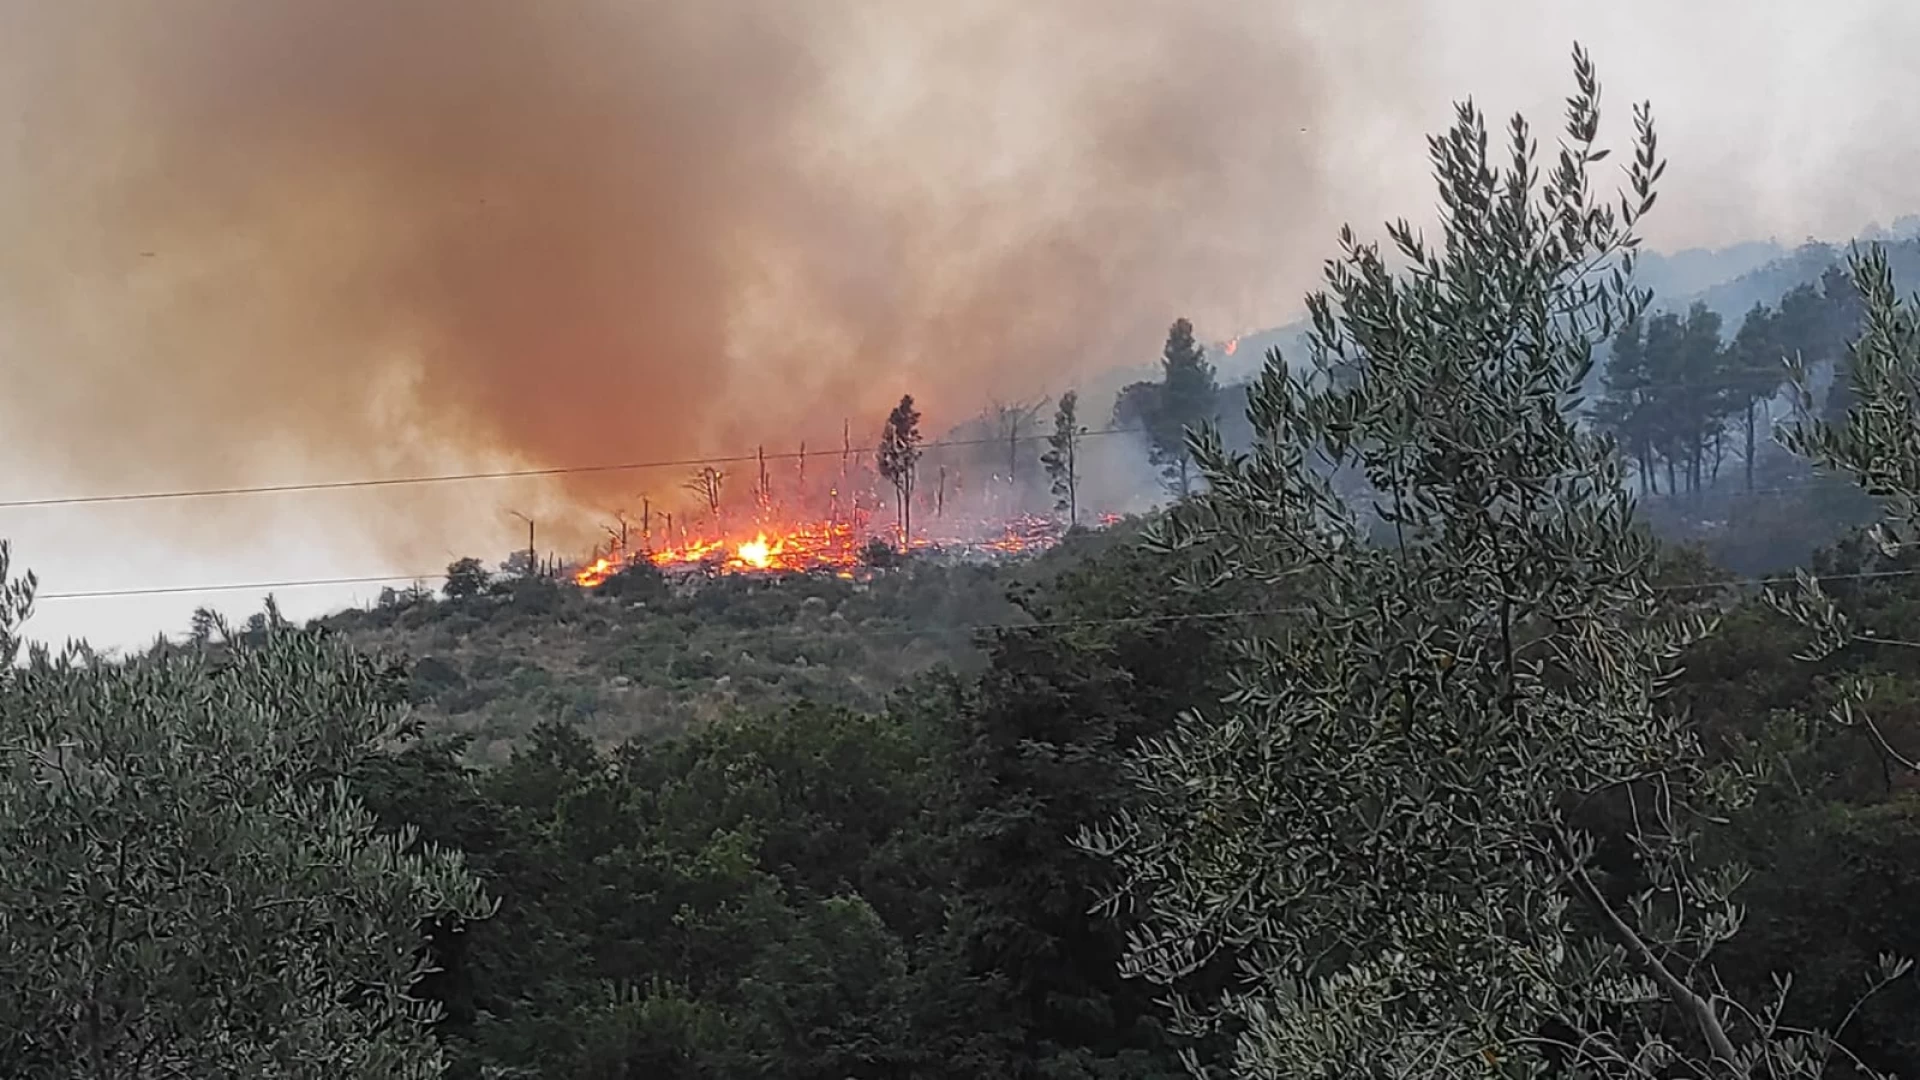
[
  {"x": 391, "y": 579},
  {"x": 585, "y": 470},
  {"x": 249, "y": 586},
  {"x": 502, "y": 474},
  {"x": 1708, "y": 499}
]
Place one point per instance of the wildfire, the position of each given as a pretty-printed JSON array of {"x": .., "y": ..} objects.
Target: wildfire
[
  {"x": 800, "y": 548},
  {"x": 756, "y": 552},
  {"x": 834, "y": 546},
  {"x": 596, "y": 572}
]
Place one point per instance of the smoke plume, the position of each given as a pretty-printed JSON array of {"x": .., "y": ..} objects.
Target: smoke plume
[{"x": 255, "y": 239}]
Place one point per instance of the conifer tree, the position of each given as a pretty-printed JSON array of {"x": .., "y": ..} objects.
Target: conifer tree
[
  {"x": 898, "y": 460},
  {"x": 1062, "y": 459},
  {"x": 1755, "y": 369},
  {"x": 1188, "y": 398}
]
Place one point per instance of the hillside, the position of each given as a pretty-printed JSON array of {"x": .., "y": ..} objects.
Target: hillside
[
  {"x": 816, "y": 891},
  {"x": 659, "y": 660},
  {"x": 813, "y": 828}
]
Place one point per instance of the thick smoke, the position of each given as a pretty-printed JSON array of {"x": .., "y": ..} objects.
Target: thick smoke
[{"x": 254, "y": 239}]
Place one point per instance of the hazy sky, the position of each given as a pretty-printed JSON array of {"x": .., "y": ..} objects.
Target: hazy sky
[{"x": 261, "y": 241}]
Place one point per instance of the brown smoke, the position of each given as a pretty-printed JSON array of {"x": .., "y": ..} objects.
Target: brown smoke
[{"x": 253, "y": 240}]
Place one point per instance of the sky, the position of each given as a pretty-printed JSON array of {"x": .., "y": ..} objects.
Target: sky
[{"x": 258, "y": 242}]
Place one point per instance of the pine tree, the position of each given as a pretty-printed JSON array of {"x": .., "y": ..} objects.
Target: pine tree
[
  {"x": 1062, "y": 459},
  {"x": 1842, "y": 313},
  {"x": 1627, "y": 409},
  {"x": 1188, "y": 398},
  {"x": 1754, "y": 369},
  {"x": 898, "y": 460},
  {"x": 1699, "y": 394}
]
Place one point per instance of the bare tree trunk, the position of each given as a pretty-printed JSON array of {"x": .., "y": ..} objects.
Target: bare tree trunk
[
  {"x": 1750, "y": 410},
  {"x": 1073, "y": 481}
]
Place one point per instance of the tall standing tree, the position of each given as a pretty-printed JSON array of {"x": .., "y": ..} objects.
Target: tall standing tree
[
  {"x": 1700, "y": 394},
  {"x": 1665, "y": 335},
  {"x": 1842, "y": 316},
  {"x": 1754, "y": 371},
  {"x": 898, "y": 460},
  {"x": 1626, "y": 409},
  {"x": 1188, "y": 399},
  {"x": 1062, "y": 459},
  {"x": 188, "y": 886},
  {"x": 1382, "y": 834}
]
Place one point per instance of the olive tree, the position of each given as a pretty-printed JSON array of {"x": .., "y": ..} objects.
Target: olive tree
[
  {"x": 187, "y": 887},
  {"x": 1877, "y": 443},
  {"x": 1371, "y": 859}
]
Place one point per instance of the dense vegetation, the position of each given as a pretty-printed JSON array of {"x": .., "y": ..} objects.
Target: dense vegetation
[
  {"x": 1371, "y": 793},
  {"x": 637, "y": 657},
  {"x": 814, "y": 891}
]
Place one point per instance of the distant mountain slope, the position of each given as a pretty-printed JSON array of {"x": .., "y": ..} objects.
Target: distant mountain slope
[
  {"x": 1682, "y": 275},
  {"x": 1695, "y": 270},
  {"x": 1767, "y": 284},
  {"x": 1728, "y": 280}
]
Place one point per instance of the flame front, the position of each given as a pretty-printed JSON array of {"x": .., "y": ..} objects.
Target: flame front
[
  {"x": 825, "y": 518},
  {"x": 596, "y": 572},
  {"x": 756, "y": 552},
  {"x": 834, "y": 546}
]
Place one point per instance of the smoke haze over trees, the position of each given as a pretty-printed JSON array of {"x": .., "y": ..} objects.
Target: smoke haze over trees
[
  {"x": 260, "y": 241},
  {"x": 1399, "y": 747}
]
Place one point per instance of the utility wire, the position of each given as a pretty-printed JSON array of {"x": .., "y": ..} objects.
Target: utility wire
[
  {"x": 249, "y": 586},
  {"x": 389, "y": 579},
  {"x": 1708, "y": 498},
  {"x": 583, "y": 470},
  {"x": 503, "y": 474}
]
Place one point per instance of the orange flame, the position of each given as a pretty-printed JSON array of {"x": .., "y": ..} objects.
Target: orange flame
[
  {"x": 834, "y": 546},
  {"x": 756, "y": 552}
]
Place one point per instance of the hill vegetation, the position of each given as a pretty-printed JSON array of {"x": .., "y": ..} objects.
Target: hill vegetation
[
  {"x": 1400, "y": 746},
  {"x": 639, "y": 658}
]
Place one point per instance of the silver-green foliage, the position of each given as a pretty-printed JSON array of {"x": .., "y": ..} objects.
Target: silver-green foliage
[
  {"x": 187, "y": 888},
  {"x": 1372, "y": 837},
  {"x": 1877, "y": 442}
]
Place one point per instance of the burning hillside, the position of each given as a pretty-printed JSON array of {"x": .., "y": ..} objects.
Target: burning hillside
[
  {"x": 799, "y": 546},
  {"x": 838, "y": 511}
]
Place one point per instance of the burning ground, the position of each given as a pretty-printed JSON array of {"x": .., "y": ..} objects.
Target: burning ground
[{"x": 804, "y": 513}]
